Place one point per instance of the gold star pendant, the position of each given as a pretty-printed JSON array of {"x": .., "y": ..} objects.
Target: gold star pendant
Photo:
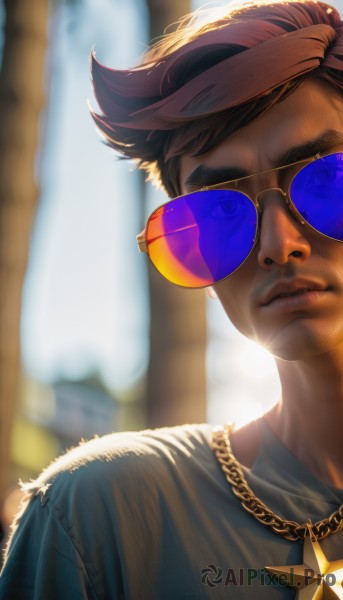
[{"x": 317, "y": 578}]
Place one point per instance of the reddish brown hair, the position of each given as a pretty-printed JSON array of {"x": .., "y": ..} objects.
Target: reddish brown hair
[{"x": 204, "y": 81}]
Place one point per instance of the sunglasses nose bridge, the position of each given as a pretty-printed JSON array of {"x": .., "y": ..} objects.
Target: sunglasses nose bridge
[
  {"x": 259, "y": 202},
  {"x": 285, "y": 196},
  {"x": 261, "y": 193}
]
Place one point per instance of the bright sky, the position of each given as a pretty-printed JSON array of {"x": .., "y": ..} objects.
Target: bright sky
[{"x": 80, "y": 302}]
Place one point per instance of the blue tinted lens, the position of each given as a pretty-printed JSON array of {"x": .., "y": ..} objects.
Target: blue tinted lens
[
  {"x": 198, "y": 239},
  {"x": 317, "y": 193}
]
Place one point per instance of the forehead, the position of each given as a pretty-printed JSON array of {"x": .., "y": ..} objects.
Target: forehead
[{"x": 312, "y": 109}]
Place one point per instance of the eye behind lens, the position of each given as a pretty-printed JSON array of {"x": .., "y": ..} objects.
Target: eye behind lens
[
  {"x": 317, "y": 193},
  {"x": 201, "y": 238}
]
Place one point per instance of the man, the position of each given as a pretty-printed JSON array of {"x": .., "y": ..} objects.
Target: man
[{"x": 241, "y": 120}]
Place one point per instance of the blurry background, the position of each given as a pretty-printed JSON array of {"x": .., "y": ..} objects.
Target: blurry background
[{"x": 91, "y": 339}]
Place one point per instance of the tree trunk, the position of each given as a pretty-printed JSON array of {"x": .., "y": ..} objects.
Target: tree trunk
[
  {"x": 176, "y": 375},
  {"x": 21, "y": 102}
]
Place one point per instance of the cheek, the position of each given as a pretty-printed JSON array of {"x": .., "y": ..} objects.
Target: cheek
[
  {"x": 234, "y": 295},
  {"x": 234, "y": 300}
]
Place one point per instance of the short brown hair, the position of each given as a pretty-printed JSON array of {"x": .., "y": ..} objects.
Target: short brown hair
[{"x": 204, "y": 81}]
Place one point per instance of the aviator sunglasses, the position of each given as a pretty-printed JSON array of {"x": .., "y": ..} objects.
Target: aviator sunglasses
[{"x": 198, "y": 239}]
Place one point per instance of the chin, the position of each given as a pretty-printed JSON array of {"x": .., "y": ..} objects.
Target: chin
[{"x": 302, "y": 341}]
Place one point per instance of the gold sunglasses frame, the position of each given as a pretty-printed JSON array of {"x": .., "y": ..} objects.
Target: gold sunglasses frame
[{"x": 141, "y": 237}]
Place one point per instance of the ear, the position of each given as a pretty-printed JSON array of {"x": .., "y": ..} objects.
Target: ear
[{"x": 211, "y": 293}]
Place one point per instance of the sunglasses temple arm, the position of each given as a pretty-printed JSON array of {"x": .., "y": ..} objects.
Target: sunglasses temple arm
[{"x": 141, "y": 241}]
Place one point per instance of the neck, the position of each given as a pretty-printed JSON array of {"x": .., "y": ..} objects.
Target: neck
[{"x": 309, "y": 417}]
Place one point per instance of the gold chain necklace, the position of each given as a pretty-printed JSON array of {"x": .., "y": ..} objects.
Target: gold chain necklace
[{"x": 325, "y": 577}]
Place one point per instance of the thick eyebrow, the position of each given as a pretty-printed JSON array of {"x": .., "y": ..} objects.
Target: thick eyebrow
[
  {"x": 204, "y": 175},
  {"x": 322, "y": 143}
]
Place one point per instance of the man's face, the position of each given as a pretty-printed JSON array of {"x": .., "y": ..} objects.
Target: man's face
[{"x": 306, "y": 323}]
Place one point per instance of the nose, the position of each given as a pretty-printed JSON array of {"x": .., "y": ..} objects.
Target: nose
[{"x": 282, "y": 237}]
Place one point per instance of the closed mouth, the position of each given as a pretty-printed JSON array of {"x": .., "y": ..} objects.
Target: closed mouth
[
  {"x": 291, "y": 289},
  {"x": 297, "y": 293}
]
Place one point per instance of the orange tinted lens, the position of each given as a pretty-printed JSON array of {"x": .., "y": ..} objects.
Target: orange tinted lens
[{"x": 198, "y": 239}]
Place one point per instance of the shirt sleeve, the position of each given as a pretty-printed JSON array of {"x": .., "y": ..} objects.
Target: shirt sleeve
[{"x": 43, "y": 561}]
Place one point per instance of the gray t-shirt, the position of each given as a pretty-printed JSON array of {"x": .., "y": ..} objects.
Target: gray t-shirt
[{"x": 150, "y": 515}]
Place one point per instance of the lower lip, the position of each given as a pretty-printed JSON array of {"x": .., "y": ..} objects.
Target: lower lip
[{"x": 298, "y": 301}]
